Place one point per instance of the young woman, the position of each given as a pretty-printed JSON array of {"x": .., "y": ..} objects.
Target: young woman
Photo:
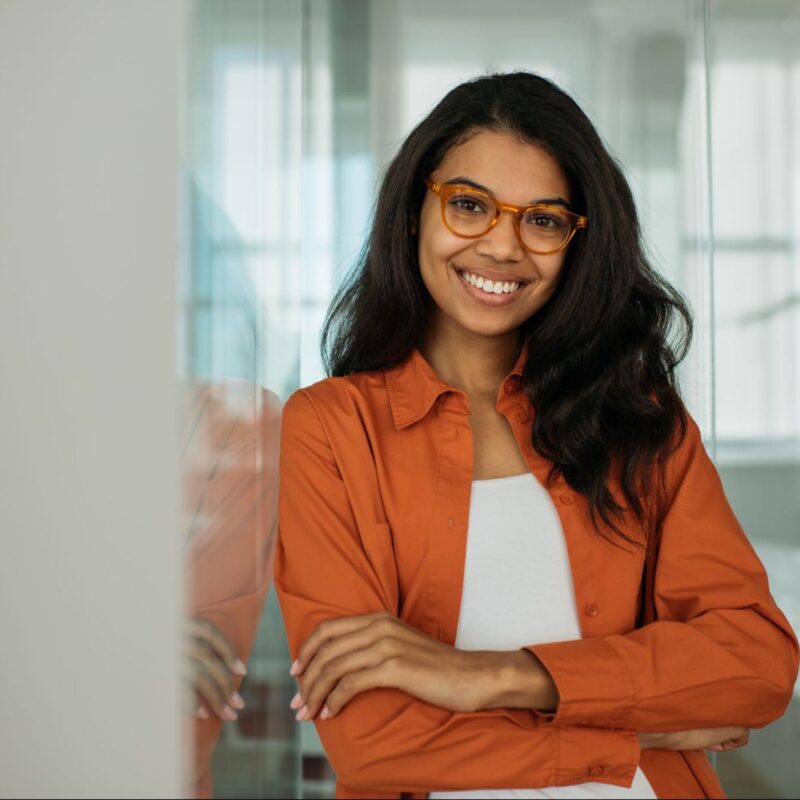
[{"x": 505, "y": 561}]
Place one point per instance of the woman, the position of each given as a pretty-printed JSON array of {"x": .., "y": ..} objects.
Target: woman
[{"x": 468, "y": 505}]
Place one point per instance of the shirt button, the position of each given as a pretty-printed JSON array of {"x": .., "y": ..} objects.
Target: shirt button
[
  {"x": 595, "y": 771},
  {"x": 566, "y": 498},
  {"x": 591, "y": 610}
]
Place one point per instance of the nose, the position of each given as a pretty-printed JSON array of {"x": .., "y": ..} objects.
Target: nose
[{"x": 500, "y": 242}]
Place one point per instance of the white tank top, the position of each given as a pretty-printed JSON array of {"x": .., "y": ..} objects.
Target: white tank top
[{"x": 517, "y": 565}]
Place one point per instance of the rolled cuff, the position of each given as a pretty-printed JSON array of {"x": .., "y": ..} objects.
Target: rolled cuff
[{"x": 594, "y": 684}]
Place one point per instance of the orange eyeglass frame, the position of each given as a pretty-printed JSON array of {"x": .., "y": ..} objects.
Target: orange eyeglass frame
[{"x": 445, "y": 191}]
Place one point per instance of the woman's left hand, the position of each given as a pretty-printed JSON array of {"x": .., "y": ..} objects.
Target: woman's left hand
[{"x": 349, "y": 655}]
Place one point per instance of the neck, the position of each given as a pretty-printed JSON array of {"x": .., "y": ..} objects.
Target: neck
[{"x": 468, "y": 361}]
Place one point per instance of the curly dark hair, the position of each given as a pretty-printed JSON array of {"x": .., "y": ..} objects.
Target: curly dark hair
[{"x": 600, "y": 372}]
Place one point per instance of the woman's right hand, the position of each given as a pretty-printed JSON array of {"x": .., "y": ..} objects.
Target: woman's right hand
[{"x": 718, "y": 739}]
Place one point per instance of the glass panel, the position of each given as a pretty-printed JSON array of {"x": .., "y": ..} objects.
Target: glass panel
[
  {"x": 295, "y": 111},
  {"x": 755, "y": 76},
  {"x": 241, "y": 333}
]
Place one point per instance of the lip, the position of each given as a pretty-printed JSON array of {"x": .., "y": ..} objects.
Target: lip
[{"x": 485, "y": 298}]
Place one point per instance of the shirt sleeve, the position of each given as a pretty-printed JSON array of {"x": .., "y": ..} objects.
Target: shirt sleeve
[
  {"x": 720, "y": 651},
  {"x": 384, "y": 739}
]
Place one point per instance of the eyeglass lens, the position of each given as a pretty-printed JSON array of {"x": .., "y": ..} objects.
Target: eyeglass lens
[{"x": 470, "y": 214}]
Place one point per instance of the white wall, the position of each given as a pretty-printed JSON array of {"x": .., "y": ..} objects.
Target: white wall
[{"x": 90, "y": 583}]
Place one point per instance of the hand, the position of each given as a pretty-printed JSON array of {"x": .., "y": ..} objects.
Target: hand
[
  {"x": 349, "y": 655},
  {"x": 209, "y": 666},
  {"x": 718, "y": 739}
]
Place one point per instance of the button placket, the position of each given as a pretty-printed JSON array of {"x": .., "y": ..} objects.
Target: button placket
[
  {"x": 581, "y": 545},
  {"x": 447, "y": 544}
]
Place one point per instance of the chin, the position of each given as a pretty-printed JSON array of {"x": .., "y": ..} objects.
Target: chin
[{"x": 488, "y": 330}]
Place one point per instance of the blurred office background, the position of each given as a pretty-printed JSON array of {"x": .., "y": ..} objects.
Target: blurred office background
[{"x": 253, "y": 133}]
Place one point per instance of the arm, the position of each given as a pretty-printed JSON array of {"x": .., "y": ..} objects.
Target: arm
[
  {"x": 720, "y": 653},
  {"x": 385, "y": 739}
]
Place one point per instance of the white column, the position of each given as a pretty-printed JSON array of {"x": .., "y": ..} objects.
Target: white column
[{"x": 90, "y": 580}]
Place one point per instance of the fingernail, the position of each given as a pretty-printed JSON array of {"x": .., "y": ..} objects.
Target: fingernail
[
  {"x": 297, "y": 701},
  {"x": 295, "y": 667},
  {"x": 325, "y": 713},
  {"x": 239, "y": 667},
  {"x": 236, "y": 700},
  {"x": 229, "y": 713},
  {"x": 301, "y": 714},
  {"x": 201, "y": 713}
]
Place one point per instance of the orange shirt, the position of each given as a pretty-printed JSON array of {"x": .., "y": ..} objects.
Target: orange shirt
[{"x": 375, "y": 480}]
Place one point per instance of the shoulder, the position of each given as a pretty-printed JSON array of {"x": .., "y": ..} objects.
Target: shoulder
[
  {"x": 689, "y": 470},
  {"x": 339, "y": 404}
]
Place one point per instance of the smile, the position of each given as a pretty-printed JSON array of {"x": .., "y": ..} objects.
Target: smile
[
  {"x": 487, "y": 292},
  {"x": 487, "y": 286}
]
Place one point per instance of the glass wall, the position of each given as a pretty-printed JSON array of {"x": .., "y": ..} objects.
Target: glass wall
[
  {"x": 755, "y": 138},
  {"x": 294, "y": 111},
  {"x": 241, "y": 332}
]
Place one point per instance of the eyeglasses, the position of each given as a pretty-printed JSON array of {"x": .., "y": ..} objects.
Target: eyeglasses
[{"x": 471, "y": 213}]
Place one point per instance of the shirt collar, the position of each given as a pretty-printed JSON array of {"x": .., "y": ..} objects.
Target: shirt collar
[{"x": 413, "y": 386}]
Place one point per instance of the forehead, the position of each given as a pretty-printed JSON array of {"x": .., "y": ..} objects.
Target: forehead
[{"x": 514, "y": 170}]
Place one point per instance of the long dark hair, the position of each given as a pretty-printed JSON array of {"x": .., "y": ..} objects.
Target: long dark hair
[{"x": 600, "y": 372}]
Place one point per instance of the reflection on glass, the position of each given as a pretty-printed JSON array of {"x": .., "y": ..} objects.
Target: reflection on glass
[
  {"x": 231, "y": 502},
  {"x": 241, "y": 356}
]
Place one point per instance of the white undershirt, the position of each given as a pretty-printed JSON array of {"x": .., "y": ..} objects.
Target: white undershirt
[{"x": 518, "y": 591}]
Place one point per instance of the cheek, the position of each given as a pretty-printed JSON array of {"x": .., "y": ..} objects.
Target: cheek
[
  {"x": 436, "y": 250},
  {"x": 551, "y": 268}
]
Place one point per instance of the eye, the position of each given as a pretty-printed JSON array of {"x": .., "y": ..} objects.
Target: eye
[
  {"x": 548, "y": 221},
  {"x": 467, "y": 204}
]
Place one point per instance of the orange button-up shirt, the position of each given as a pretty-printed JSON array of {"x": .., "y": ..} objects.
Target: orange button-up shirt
[{"x": 375, "y": 479}]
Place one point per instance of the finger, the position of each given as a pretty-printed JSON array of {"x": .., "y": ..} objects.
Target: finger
[
  {"x": 330, "y": 649},
  {"x": 706, "y": 737},
  {"x": 733, "y": 732},
  {"x": 219, "y": 643},
  {"x": 384, "y": 675},
  {"x": 331, "y": 629},
  {"x": 734, "y": 744},
  {"x": 335, "y": 670},
  {"x": 208, "y": 689},
  {"x": 202, "y": 651},
  {"x": 379, "y": 629}
]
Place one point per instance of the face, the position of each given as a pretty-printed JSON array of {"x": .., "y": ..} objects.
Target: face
[{"x": 514, "y": 172}]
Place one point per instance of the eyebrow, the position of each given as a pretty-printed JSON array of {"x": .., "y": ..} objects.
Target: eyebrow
[{"x": 552, "y": 201}]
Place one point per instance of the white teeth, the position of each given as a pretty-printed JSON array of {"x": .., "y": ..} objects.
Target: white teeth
[{"x": 490, "y": 287}]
